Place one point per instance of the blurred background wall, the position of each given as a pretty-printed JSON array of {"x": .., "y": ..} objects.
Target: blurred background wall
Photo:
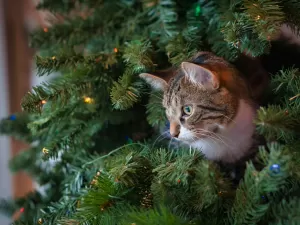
[
  {"x": 5, "y": 178},
  {"x": 17, "y": 19}
]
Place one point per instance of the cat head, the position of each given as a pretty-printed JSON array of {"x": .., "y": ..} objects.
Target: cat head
[{"x": 202, "y": 96}]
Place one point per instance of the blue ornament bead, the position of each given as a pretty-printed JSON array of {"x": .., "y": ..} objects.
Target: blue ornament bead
[
  {"x": 13, "y": 117},
  {"x": 168, "y": 125},
  {"x": 264, "y": 199},
  {"x": 275, "y": 168}
]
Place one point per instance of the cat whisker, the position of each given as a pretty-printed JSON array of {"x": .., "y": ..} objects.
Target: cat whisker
[
  {"x": 211, "y": 138},
  {"x": 161, "y": 135},
  {"x": 199, "y": 130},
  {"x": 214, "y": 139},
  {"x": 194, "y": 139},
  {"x": 228, "y": 141},
  {"x": 219, "y": 136},
  {"x": 170, "y": 142},
  {"x": 222, "y": 137},
  {"x": 232, "y": 120},
  {"x": 213, "y": 135}
]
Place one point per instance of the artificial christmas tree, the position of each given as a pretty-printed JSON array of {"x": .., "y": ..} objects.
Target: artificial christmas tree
[{"x": 106, "y": 129}]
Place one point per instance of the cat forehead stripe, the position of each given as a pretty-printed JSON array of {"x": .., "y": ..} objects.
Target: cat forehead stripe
[{"x": 173, "y": 83}]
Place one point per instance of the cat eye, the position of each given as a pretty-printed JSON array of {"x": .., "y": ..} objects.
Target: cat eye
[{"x": 187, "y": 110}]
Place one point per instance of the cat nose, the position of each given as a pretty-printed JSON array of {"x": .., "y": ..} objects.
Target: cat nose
[
  {"x": 174, "y": 134},
  {"x": 174, "y": 130}
]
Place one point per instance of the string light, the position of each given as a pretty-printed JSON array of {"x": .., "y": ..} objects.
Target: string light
[
  {"x": 98, "y": 59},
  {"x": 53, "y": 58},
  {"x": 257, "y": 17},
  {"x": 40, "y": 221},
  {"x": 115, "y": 50},
  {"x": 45, "y": 151},
  {"x": 22, "y": 210},
  {"x": 93, "y": 181},
  {"x": 43, "y": 102},
  {"x": 46, "y": 30},
  {"x": 88, "y": 100},
  {"x": 98, "y": 173},
  {"x": 198, "y": 10}
]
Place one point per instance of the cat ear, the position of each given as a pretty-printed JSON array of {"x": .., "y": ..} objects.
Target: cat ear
[
  {"x": 200, "y": 75},
  {"x": 156, "y": 82}
]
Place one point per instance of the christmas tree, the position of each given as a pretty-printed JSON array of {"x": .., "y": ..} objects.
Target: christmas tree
[{"x": 102, "y": 124}]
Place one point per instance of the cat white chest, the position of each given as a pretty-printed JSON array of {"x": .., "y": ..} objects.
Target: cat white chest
[{"x": 233, "y": 142}]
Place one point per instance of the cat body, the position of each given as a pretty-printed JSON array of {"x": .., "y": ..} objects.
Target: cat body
[{"x": 209, "y": 106}]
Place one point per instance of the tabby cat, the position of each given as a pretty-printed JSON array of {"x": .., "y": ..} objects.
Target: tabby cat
[{"x": 209, "y": 107}]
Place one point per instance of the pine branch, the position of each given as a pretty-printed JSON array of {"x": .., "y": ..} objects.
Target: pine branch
[
  {"x": 64, "y": 208},
  {"x": 58, "y": 34},
  {"x": 32, "y": 203},
  {"x": 249, "y": 207},
  {"x": 266, "y": 16},
  {"x": 287, "y": 212},
  {"x": 65, "y": 6},
  {"x": 127, "y": 91},
  {"x": 183, "y": 46},
  {"x": 238, "y": 33},
  {"x": 171, "y": 172},
  {"x": 288, "y": 191},
  {"x": 26, "y": 160},
  {"x": 7, "y": 207},
  {"x": 57, "y": 5},
  {"x": 214, "y": 15},
  {"x": 104, "y": 194},
  {"x": 289, "y": 81},
  {"x": 131, "y": 170},
  {"x": 211, "y": 188},
  {"x": 159, "y": 215},
  {"x": 58, "y": 91},
  {"x": 75, "y": 182},
  {"x": 81, "y": 131},
  {"x": 291, "y": 9},
  {"x": 77, "y": 31},
  {"x": 276, "y": 123},
  {"x": 253, "y": 46},
  {"x": 16, "y": 126},
  {"x": 65, "y": 60},
  {"x": 138, "y": 56},
  {"x": 163, "y": 17},
  {"x": 293, "y": 149},
  {"x": 156, "y": 115},
  {"x": 193, "y": 17}
]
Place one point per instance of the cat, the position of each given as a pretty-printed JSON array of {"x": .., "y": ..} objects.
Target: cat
[
  {"x": 233, "y": 91},
  {"x": 210, "y": 107}
]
